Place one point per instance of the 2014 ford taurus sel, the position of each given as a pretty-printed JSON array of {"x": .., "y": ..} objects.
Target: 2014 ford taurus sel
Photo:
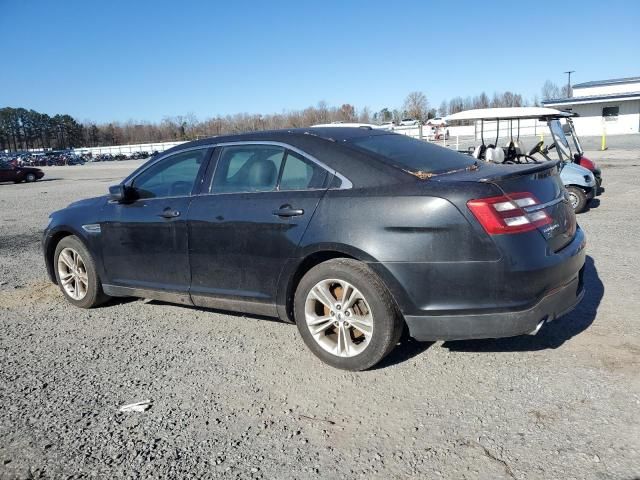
[{"x": 351, "y": 233}]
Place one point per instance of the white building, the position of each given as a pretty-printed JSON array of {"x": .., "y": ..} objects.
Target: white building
[{"x": 612, "y": 106}]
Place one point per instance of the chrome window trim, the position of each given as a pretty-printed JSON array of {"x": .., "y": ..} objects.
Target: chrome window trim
[
  {"x": 535, "y": 208},
  {"x": 345, "y": 184}
]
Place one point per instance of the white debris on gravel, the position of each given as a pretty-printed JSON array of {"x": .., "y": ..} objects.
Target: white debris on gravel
[{"x": 136, "y": 407}]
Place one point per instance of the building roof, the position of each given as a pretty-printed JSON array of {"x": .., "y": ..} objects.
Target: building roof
[
  {"x": 506, "y": 113},
  {"x": 602, "y": 83},
  {"x": 593, "y": 98}
]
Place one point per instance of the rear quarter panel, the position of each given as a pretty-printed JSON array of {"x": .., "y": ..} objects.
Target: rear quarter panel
[{"x": 391, "y": 226}]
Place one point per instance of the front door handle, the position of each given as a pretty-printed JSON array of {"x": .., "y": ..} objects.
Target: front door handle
[
  {"x": 169, "y": 213},
  {"x": 287, "y": 211}
]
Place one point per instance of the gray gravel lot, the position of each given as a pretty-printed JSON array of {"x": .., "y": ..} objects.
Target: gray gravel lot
[{"x": 237, "y": 396}]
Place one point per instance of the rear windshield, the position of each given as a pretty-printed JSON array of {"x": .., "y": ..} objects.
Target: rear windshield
[{"x": 411, "y": 154}]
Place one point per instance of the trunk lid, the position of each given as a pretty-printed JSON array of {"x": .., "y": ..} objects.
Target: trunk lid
[{"x": 542, "y": 182}]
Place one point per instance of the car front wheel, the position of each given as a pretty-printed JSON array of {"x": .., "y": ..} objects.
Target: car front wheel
[
  {"x": 30, "y": 177},
  {"x": 76, "y": 274},
  {"x": 345, "y": 315}
]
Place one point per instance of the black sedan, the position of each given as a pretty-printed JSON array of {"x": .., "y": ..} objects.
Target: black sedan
[
  {"x": 17, "y": 174},
  {"x": 351, "y": 233}
]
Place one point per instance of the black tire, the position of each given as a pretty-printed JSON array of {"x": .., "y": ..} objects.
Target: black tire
[
  {"x": 94, "y": 295},
  {"x": 30, "y": 177},
  {"x": 387, "y": 322},
  {"x": 579, "y": 197}
]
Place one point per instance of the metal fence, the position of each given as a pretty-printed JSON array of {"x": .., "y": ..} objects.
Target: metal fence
[{"x": 128, "y": 149}]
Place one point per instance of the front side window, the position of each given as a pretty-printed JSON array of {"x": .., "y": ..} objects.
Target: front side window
[
  {"x": 247, "y": 168},
  {"x": 174, "y": 176},
  {"x": 301, "y": 174}
]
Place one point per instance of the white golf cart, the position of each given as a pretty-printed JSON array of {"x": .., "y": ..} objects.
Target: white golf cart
[{"x": 581, "y": 181}]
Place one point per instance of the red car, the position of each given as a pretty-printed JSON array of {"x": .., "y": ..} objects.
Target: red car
[{"x": 16, "y": 174}]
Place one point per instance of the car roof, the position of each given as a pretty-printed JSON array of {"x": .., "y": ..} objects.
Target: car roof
[
  {"x": 291, "y": 136},
  {"x": 328, "y": 144}
]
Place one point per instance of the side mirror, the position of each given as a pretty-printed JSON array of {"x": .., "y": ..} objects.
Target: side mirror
[{"x": 120, "y": 193}]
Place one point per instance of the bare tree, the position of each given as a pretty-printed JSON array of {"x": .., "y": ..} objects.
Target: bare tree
[
  {"x": 365, "y": 115},
  {"x": 550, "y": 90},
  {"x": 416, "y": 106},
  {"x": 443, "y": 110},
  {"x": 347, "y": 113}
]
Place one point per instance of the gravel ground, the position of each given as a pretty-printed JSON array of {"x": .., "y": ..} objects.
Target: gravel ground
[{"x": 241, "y": 397}]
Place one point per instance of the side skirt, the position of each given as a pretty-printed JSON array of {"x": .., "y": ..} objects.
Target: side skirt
[
  {"x": 181, "y": 298},
  {"x": 236, "y": 305}
]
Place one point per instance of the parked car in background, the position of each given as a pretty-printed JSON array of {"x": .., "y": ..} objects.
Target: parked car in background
[
  {"x": 437, "y": 122},
  {"x": 408, "y": 122},
  {"x": 17, "y": 174},
  {"x": 386, "y": 126},
  {"x": 351, "y": 233}
]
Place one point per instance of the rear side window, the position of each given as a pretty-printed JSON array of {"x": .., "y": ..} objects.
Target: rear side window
[
  {"x": 411, "y": 154},
  {"x": 247, "y": 168},
  {"x": 301, "y": 174}
]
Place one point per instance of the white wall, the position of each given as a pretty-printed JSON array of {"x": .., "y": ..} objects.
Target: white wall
[
  {"x": 607, "y": 89},
  {"x": 590, "y": 121}
]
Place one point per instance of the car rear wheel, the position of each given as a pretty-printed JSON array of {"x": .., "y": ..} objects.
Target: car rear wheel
[
  {"x": 76, "y": 274},
  {"x": 577, "y": 198},
  {"x": 30, "y": 177},
  {"x": 345, "y": 315}
]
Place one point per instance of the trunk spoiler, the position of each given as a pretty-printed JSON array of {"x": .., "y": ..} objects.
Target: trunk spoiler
[{"x": 539, "y": 167}]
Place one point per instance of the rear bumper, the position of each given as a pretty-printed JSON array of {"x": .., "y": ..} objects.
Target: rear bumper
[
  {"x": 462, "y": 300},
  {"x": 498, "y": 324}
]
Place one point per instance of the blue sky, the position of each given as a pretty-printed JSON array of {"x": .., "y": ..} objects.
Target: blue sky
[{"x": 143, "y": 60}]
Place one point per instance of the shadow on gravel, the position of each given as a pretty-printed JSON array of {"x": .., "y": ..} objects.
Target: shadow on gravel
[
  {"x": 406, "y": 349},
  {"x": 552, "y": 335},
  {"x": 113, "y": 301},
  {"x": 592, "y": 205}
]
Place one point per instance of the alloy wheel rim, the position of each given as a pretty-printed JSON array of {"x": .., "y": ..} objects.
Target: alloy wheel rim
[
  {"x": 73, "y": 274},
  {"x": 339, "y": 317}
]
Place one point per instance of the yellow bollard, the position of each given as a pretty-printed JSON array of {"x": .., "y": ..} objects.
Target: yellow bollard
[
  {"x": 542, "y": 138},
  {"x": 603, "y": 143}
]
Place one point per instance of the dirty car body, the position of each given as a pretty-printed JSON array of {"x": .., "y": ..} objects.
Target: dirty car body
[{"x": 467, "y": 249}]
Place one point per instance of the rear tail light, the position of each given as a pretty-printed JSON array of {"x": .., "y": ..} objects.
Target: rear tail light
[{"x": 506, "y": 214}]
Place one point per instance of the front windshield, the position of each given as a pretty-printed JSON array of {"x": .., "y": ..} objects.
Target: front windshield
[
  {"x": 574, "y": 136},
  {"x": 560, "y": 140}
]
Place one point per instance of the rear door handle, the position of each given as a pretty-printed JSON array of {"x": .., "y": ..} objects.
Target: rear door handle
[
  {"x": 287, "y": 211},
  {"x": 169, "y": 213}
]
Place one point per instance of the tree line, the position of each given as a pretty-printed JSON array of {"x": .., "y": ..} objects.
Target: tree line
[{"x": 22, "y": 129}]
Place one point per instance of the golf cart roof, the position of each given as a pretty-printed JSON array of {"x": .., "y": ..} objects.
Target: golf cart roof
[{"x": 509, "y": 113}]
